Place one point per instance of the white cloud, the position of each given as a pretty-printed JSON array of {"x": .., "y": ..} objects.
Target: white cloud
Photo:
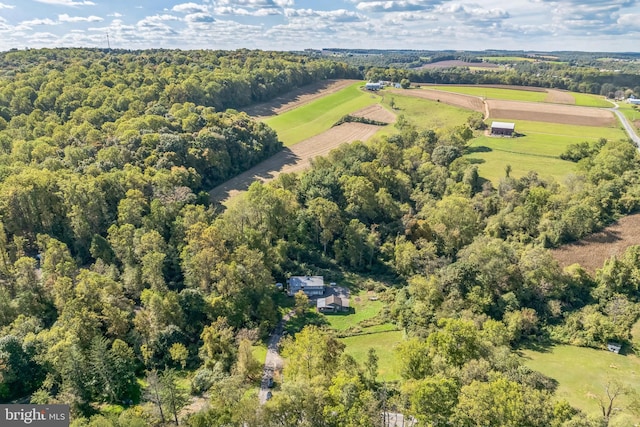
[
  {"x": 115, "y": 15},
  {"x": 199, "y": 17},
  {"x": 38, "y": 21},
  {"x": 6, "y": 6},
  {"x": 189, "y": 8},
  {"x": 68, "y": 2},
  {"x": 66, "y": 18}
]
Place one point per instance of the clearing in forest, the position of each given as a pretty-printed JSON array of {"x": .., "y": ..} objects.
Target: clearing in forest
[
  {"x": 295, "y": 158},
  {"x": 583, "y": 373},
  {"x": 592, "y": 251},
  {"x": 297, "y": 98},
  {"x": 318, "y": 116}
]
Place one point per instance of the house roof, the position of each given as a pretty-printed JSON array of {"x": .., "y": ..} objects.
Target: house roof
[
  {"x": 305, "y": 282},
  {"x": 503, "y": 125},
  {"x": 332, "y": 301}
]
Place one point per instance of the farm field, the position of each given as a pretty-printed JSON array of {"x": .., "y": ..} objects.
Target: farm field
[
  {"x": 550, "y": 113},
  {"x": 450, "y": 98},
  {"x": 592, "y": 251},
  {"x": 427, "y": 114},
  {"x": 297, "y": 98},
  {"x": 534, "y": 95},
  {"x": 529, "y": 94},
  {"x": 538, "y": 150},
  {"x": 458, "y": 63},
  {"x": 294, "y": 159},
  {"x": 584, "y": 372},
  {"x": 318, "y": 116},
  {"x": 384, "y": 343},
  {"x": 507, "y": 59},
  {"x": 633, "y": 115}
]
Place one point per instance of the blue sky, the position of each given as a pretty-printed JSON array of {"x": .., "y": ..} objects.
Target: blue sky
[{"x": 589, "y": 25}]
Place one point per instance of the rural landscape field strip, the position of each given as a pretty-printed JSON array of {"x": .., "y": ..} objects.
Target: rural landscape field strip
[
  {"x": 295, "y": 158},
  {"x": 455, "y": 99},
  {"x": 552, "y": 113},
  {"x": 297, "y": 98},
  {"x": 316, "y": 117},
  {"x": 592, "y": 251}
]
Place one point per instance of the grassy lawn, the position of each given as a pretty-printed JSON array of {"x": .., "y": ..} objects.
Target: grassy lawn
[
  {"x": 426, "y": 114},
  {"x": 588, "y": 100},
  {"x": 495, "y": 93},
  {"x": 583, "y": 372},
  {"x": 363, "y": 310},
  {"x": 384, "y": 344},
  {"x": 538, "y": 150},
  {"x": 259, "y": 351},
  {"x": 318, "y": 116}
]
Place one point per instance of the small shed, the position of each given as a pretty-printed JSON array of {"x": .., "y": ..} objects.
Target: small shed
[
  {"x": 614, "y": 347},
  {"x": 332, "y": 304},
  {"x": 503, "y": 128}
]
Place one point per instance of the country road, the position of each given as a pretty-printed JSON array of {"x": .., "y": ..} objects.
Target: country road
[
  {"x": 273, "y": 362},
  {"x": 628, "y": 127}
]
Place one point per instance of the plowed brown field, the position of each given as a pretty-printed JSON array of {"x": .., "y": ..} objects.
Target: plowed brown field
[
  {"x": 376, "y": 112},
  {"x": 592, "y": 251},
  {"x": 294, "y": 158},
  {"x": 551, "y": 113},
  {"x": 450, "y": 98}
]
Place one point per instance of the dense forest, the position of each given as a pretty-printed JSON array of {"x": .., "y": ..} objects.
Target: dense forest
[{"x": 119, "y": 279}]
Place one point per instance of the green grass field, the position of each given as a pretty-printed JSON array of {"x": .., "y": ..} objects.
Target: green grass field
[
  {"x": 318, "y": 116},
  {"x": 581, "y": 99},
  {"x": 363, "y": 310},
  {"x": 426, "y": 114},
  {"x": 630, "y": 113},
  {"x": 588, "y": 100},
  {"x": 495, "y": 93},
  {"x": 538, "y": 150},
  {"x": 584, "y": 372},
  {"x": 508, "y": 59},
  {"x": 384, "y": 344}
]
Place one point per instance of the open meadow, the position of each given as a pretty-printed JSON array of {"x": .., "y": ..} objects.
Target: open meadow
[
  {"x": 527, "y": 94},
  {"x": 538, "y": 149},
  {"x": 583, "y": 373},
  {"x": 318, "y": 116}
]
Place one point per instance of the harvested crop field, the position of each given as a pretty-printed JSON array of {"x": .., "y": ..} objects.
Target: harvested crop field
[
  {"x": 295, "y": 158},
  {"x": 555, "y": 96},
  {"x": 450, "y": 98},
  {"x": 376, "y": 112},
  {"x": 592, "y": 251},
  {"x": 551, "y": 113},
  {"x": 457, "y": 63},
  {"x": 296, "y": 98}
]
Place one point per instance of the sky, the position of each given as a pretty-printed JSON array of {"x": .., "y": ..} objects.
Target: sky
[{"x": 543, "y": 25}]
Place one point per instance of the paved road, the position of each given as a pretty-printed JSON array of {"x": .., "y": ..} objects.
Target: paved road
[
  {"x": 628, "y": 127},
  {"x": 273, "y": 362}
]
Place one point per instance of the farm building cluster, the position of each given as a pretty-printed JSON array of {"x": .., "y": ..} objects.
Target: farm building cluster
[
  {"x": 375, "y": 86},
  {"x": 314, "y": 287}
]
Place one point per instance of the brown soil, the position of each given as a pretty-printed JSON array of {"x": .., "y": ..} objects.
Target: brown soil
[
  {"x": 551, "y": 113},
  {"x": 556, "y": 96},
  {"x": 376, "y": 112},
  {"x": 295, "y": 158},
  {"x": 455, "y": 99},
  {"x": 297, "y": 97},
  {"x": 458, "y": 63},
  {"x": 592, "y": 251}
]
